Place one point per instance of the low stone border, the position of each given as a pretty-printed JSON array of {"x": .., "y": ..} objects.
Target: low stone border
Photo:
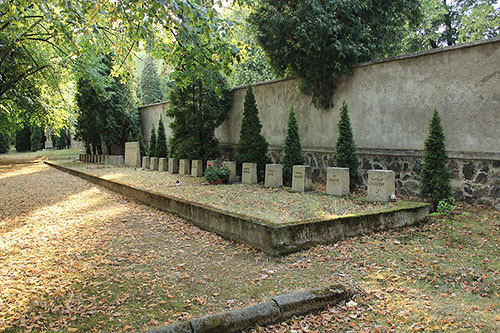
[
  {"x": 274, "y": 239},
  {"x": 276, "y": 310}
]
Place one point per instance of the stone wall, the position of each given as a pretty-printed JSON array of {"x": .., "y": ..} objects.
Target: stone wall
[{"x": 390, "y": 105}]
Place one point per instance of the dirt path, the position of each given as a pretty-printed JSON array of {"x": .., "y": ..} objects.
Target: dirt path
[{"x": 76, "y": 257}]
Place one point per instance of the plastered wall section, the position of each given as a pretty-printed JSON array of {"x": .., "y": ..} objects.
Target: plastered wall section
[{"x": 390, "y": 104}]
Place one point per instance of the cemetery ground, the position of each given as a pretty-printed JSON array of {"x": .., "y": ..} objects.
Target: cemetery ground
[{"x": 77, "y": 257}]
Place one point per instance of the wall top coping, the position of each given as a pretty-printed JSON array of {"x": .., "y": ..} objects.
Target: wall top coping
[{"x": 375, "y": 62}]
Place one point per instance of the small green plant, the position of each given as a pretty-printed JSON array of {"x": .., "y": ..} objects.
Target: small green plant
[
  {"x": 446, "y": 207},
  {"x": 213, "y": 174}
]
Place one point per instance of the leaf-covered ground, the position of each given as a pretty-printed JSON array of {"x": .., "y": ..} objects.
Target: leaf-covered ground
[
  {"x": 76, "y": 257},
  {"x": 268, "y": 204}
]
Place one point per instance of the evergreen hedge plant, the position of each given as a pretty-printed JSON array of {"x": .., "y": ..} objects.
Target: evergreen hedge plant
[
  {"x": 161, "y": 141},
  {"x": 152, "y": 143},
  {"x": 293, "y": 149}
]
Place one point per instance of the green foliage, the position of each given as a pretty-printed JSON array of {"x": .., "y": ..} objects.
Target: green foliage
[
  {"x": 446, "y": 207},
  {"x": 196, "y": 111},
  {"x": 293, "y": 149},
  {"x": 142, "y": 147},
  {"x": 62, "y": 140},
  {"x": 37, "y": 138},
  {"x": 345, "y": 155},
  {"x": 435, "y": 174},
  {"x": 252, "y": 146},
  {"x": 445, "y": 23},
  {"x": 152, "y": 143},
  {"x": 105, "y": 115},
  {"x": 150, "y": 85},
  {"x": 4, "y": 143},
  {"x": 23, "y": 139},
  {"x": 161, "y": 141},
  {"x": 213, "y": 174},
  {"x": 320, "y": 40}
]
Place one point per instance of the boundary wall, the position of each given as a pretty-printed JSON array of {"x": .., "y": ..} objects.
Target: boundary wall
[{"x": 390, "y": 105}]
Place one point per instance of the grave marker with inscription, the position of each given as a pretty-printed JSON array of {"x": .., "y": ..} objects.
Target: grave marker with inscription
[
  {"x": 274, "y": 175},
  {"x": 232, "y": 170},
  {"x": 249, "y": 173},
  {"x": 381, "y": 185},
  {"x": 212, "y": 163},
  {"x": 132, "y": 154},
  {"x": 196, "y": 168},
  {"x": 184, "y": 168},
  {"x": 145, "y": 162},
  {"x": 337, "y": 181},
  {"x": 173, "y": 165},
  {"x": 162, "y": 164},
  {"x": 301, "y": 178},
  {"x": 153, "y": 163}
]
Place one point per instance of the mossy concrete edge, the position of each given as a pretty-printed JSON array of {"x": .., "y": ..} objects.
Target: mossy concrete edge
[
  {"x": 278, "y": 309},
  {"x": 268, "y": 237}
]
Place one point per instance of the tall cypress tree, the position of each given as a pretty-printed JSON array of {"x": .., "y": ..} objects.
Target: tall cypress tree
[
  {"x": 293, "y": 149},
  {"x": 4, "y": 143},
  {"x": 161, "y": 141},
  {"x": 142, "y": 147},
  {"x": 345, "y": 149},
  {"x": 252, "y": 146},
  {"x": 36, "y": 138},
  {"x": 435, "y": 174},
  {"x": 152, "y": 143},
  {"x": 23, "y": 142}
]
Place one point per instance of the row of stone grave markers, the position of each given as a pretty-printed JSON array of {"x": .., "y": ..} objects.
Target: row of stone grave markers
[
  {"x": 102, "y": 159},
  {"x": 381, "y": 183},
  {"x": 185, "y": 166}
]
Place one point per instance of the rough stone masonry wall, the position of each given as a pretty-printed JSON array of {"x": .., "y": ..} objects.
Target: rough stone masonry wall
[{"x": 390, "y": 105}]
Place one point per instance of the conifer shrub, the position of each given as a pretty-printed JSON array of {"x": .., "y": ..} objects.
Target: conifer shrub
[
  {"x": 4, "y": 143},
  {"x": 62, "y": 140},
  {"x": 435, "y": 173},
  {"x": 161, "y": 141},
  {"x": 252, "y": 146},
  {"x": 152, "y": 143},
  {"x": 293, "y": 149},
  {"x": 142, "y": 147},
  {"x": 345, "y": 155},
  {"x": 36, "y": 138},
  {"x": 23, "y": 139}
]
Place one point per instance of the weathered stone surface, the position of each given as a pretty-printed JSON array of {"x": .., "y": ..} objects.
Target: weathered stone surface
[
  {"x": 212, "y": 163},
  {"x": 381, "y": 185},
  {"x": 182, "y": 327},
  {"x": 232, "y": 170},
  {"x": 184, "y": 167},
  {"x": 173, "y": 165},
  {"x": 301, "y": 178},
  {"x": 120, "y": 160},
  {"x": 249, "y": 173},
  {"x": 468, "y": 170},
  {"x": 132, "y": 154},
  {"x": 301, "y": 302},
  {"x": 163, "y": 164},
  {"x": 197, "y": 168},
  {"x": 337, "y": 181},
  {"x": 482, "y": 178},
  {"x": 153, "y": 163},
  {"x": 230, "y": 321},
  {"x": 274, "y": 175},
  {"x": 145, "y": 162}
]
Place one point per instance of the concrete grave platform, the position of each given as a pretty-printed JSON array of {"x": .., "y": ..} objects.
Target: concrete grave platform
[{"x": 266, "y": 235}]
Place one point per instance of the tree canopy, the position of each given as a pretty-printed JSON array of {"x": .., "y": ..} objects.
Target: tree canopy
[{"x": 320, "y": 40}]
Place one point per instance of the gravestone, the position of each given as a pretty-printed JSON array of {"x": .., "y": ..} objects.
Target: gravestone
[
  {"x": 162, "y": 164},
  {"x": 212, "y": 163},
  {"x": 274, "y": 175},
  {"x": 132, "y": 154},
  {"x": 120, "y": 160},
  {"x": 196, "y": 168},
  {"x": 301, "y": 178},
  {"x": 173, "y": 165},
  {"x": 184, "y": 167},
  {"x": 232, "y": 170},
  {"x": 145, "y": 162},
  {"x": 381, "y": 185},
  {"x": 153, "y": 163},
  {"x": 337, "y": 181},
  {"x": 102, "y": 159},
  {"x": 106, "y": 159},
  {"x": 111, "y": 160},
  {"x": 249, "y": 173},
  {"x": 80, "y": 157}
]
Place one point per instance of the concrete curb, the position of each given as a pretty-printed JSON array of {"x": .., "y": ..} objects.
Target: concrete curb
[{"x": 278, "y": 309}]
